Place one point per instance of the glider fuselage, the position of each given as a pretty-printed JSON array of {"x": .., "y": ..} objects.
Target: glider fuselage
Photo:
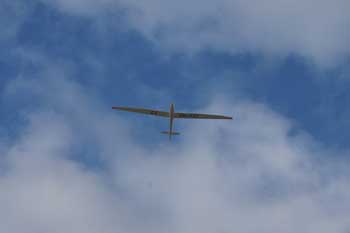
[{"x": 171, "y": 115}]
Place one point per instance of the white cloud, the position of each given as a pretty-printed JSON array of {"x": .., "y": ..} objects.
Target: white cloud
[
  {"x": 252, "y": 174},
  {"x": 314, "y": 29},
  {"x": 43, "y": 191}
]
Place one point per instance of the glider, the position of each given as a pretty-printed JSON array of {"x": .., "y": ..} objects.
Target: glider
[{"x": 172, "y": 115}]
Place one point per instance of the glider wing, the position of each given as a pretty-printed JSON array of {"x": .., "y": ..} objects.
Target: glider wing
[
  {"x": 143, "y": 111},
  {"x": 200, "y": 116}
]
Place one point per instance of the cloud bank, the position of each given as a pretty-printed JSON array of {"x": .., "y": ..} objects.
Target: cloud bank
[
  {"x": 315, "y": 30},
  {"x": 255, "y": 174}
]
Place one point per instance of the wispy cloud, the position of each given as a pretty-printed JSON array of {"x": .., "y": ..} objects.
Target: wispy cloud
[
  {"x": 12, "y": 16},
  {"x": 277, "y": 28}
]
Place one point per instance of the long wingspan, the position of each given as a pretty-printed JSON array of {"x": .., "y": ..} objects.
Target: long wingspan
[
  {"x": 143, "y": 110},
  {"x": 200, "y": 116}
]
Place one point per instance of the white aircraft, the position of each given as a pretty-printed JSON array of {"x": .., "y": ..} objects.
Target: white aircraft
[{"x": 172, "y": 114}]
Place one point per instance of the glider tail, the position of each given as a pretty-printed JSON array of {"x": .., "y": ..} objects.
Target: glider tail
[{"x": 168, "y": 133}]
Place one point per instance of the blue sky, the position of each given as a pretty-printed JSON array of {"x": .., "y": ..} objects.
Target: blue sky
[
  {"x": 282, "y": 73},
  {"x": 124, "y": 60}
]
